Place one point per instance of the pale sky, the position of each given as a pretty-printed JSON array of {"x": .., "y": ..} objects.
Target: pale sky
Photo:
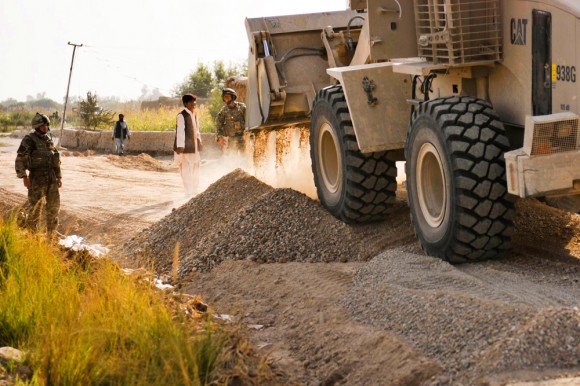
[{"x": 127, "y": 43}]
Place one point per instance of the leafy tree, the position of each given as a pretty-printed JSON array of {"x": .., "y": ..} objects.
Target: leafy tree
[
  {"x": 216, "y": 103},
  {"x": 92, "y": 115},
  {"x": 207, "y": 84},
  {"x": 200, "y": 82},
  {"x": 149, "y": 95},
  {"x": 221, "y": 72}
]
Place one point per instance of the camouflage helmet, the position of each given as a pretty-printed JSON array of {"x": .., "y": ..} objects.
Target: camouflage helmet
[
  {"x": 40, "y": 120},
  {"x": 229, "y": 91}
]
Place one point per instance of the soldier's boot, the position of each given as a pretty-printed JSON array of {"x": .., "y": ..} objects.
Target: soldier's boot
[
  {"x": 21, "y": 216},
  {"x": 52, "y": 208},
  {"x": 31, "y": 216},
  {"x": 34, "y": 207}
]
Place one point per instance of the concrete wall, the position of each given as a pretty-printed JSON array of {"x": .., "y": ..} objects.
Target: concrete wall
[{"x": 156, "y": 142}]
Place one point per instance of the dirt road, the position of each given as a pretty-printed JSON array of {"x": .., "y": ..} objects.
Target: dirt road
[{"x": 336, "y": 304}]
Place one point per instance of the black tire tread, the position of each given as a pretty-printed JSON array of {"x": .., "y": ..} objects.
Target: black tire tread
[
  {"x": 370, "y": 180},
  {"x": 476, "y": 139}
]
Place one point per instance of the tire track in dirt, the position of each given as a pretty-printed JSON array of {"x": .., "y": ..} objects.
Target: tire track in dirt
[
  {"x": 522, "y": 284},
  {"x": 462, "y": 316},
  {"x": 306, "y": 330}
]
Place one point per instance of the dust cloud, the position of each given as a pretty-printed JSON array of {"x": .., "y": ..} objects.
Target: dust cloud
[{"x": 279, "y": 158}]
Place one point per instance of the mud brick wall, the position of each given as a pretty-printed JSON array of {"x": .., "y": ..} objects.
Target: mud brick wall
[{"x": 158, "y": 142}]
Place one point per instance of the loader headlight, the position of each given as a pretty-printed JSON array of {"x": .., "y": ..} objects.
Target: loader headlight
[
  {"x": 543, "y": 135},
  {"x": 544, "y": 131},
  {"x": 541, "y": 148},
  {"x": 564, "y": 130}
]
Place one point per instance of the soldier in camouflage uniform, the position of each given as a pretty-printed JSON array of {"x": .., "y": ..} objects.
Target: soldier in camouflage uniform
[
  {"x": 231, "y": 122},
  {"x": 39, "y": 156}
]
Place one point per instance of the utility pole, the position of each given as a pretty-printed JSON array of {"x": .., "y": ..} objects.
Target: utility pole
[{"x": 67, "y": 88}]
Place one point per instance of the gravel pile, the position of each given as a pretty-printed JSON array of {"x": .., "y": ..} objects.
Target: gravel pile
[
  {"x": 549, "y": 337},
  {"x": 239, "y": 217},
  {"x": 183, "y": 229},
  {"x": 462, "y": 318}
]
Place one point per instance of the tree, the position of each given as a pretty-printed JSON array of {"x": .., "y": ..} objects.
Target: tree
[
  {"x": 216, "y": 103},
  {"x": 221, "y": 72},
  {"x": 207, "y": 84},
  {"x": 92, "y": 115},
  {"x": 149, "y": 95},
  {"x": 200, "y": 82}
]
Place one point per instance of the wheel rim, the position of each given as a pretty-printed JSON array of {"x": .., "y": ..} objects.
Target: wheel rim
[
  {"x": 431, "y": 185},
  {"x": 329, "y": 159}
]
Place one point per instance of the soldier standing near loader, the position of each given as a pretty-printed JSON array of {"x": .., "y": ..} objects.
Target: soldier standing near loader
[
  {"x": 39, "y": 156},
  {"x": 231, "y": 122}
]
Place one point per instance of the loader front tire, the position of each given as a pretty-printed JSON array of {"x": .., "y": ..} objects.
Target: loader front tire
[
  {"x": 456, "y": 180},
  {"x": 353, "y": 186}
]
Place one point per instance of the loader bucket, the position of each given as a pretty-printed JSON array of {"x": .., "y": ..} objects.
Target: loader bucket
[{"x": 287, "y": 65}]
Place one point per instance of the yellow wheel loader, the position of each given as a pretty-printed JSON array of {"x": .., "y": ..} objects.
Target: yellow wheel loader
[{"x": 479, "y": 97}]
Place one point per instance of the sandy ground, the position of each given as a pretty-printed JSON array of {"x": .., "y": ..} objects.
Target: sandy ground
[
  {"x": 107, "y": 198},
  {"x": 399, "y": 318}
]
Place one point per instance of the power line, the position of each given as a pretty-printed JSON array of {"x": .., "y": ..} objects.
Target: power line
[{"x": 111, "y": 65}]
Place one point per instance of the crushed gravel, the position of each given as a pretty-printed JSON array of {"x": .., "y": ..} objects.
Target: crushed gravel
[
  {"x": 238, "y": 217},
  {"x": 463, "y": 319}
]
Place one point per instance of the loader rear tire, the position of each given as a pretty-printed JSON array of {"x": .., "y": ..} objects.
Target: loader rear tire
[
  {"x": 456, "y": 180},
  {"x": 353, "y": 186}
]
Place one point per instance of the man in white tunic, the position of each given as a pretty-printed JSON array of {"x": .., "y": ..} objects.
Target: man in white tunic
[{"x": 187, "y": 145}]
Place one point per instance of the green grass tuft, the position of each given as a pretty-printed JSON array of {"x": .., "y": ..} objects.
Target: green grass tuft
[{"x": 90, "y": 324}]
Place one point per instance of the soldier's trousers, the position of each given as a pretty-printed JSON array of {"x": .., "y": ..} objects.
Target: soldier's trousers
[
  {"x": 236, "y": 145},
  {"x": 43, "y": 189}
]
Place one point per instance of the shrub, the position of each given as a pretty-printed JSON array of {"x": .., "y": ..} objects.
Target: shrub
[
  {"x": 92, "y": 115},
  {"x": 15, "y": 119}
]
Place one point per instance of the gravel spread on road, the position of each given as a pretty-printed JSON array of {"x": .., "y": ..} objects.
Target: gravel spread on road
[
  {"x": 460, "y": 316},
  {"x": 479, "y": 320}
]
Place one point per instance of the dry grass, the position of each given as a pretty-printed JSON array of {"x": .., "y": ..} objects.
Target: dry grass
[
  {"x": 83, "y": 322},
  {"x": 161, "y": 119}
]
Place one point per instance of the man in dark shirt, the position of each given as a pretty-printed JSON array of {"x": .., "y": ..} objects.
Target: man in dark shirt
[{"x": 121, "y": 132}]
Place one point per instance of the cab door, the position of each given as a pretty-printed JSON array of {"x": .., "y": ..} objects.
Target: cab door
[{"x": 541, "y": 62}]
